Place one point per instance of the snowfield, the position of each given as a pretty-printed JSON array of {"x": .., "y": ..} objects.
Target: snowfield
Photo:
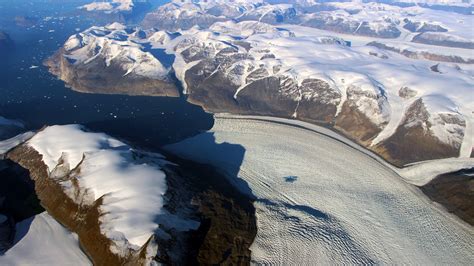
[
  {"x": 41, "y": 240},
  {"x": 322, "y": 200},
  {"x": 129, "y": 183}
]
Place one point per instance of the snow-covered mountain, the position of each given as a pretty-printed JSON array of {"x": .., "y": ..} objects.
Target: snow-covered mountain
[
  {"x": 436, "y": 27},
  {"x": 252, "y": 67},
  {"x": 126, "y": 206},
  {"x": 112, "y": 6},
  {"x": 321, "y": 79},
  {"x": 91, "y": 177},
  {"x": 123, "y": 62},
  {"x": 107, "y": 11},
  {"x": 463, "y": 3}
]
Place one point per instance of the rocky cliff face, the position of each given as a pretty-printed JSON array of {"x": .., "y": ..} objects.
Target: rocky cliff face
[
  {"x": 355, "y": 123},
  {"x": 80, "y": 218},
  {"x": 455, "y": 192},
  {"x": 136, "y": 222},
  {"x": 419, "y": 135},
  {"x": 230, "y": 79},
  {"x": 247, "y": 76},
  {"x": 443, "y": 39}
]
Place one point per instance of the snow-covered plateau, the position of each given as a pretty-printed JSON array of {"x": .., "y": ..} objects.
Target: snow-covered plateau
[{"x": 320, "y": 200}]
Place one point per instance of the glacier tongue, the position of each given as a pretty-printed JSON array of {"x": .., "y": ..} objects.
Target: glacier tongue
[{"x": 320, "y": 200}]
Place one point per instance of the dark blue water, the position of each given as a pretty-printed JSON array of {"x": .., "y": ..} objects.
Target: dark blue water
[{"x": 37, "y": 98}]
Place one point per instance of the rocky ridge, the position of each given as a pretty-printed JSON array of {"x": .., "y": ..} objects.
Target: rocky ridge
[
  {"x": 319, "y": 79},
  {"x": 372, "y": 19},
  {"x": 455, "y": 192}
]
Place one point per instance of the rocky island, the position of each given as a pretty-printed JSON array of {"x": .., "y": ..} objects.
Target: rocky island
[{"x": 104, "y": 60}]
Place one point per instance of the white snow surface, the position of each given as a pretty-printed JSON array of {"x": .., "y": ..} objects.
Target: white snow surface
[
  {"x": 438, "y": 2},
  {"x": 322, "y": 201},
  {"x": 242, "y": 29},
  {"x": 114, "y": 44},
  {"x": 379, "y": 15},
  {"x": 41, "y": 240},
  {"x": 304, "y": 53},
  {"x": 132, "y": 190},
  {"x": 110, "y": 6},
  {"x": 8, "y": 144}
]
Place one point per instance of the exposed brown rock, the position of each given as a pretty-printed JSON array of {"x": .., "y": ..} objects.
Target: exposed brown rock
[
  {"x": 320, "y": 109},
  {"x": 352, "y": 122},
  {"x": 96, "y": 77},
  {"x": 228, "y": 225},
  {"x": 355, "y": 125},
  {"x": 263, "y": 94},
  {"x": 455, "y": 191},
  {"x": 412, "y": 142},
  {"x": 407, "y": 93},
  {"x": 81, "y": 219}
]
